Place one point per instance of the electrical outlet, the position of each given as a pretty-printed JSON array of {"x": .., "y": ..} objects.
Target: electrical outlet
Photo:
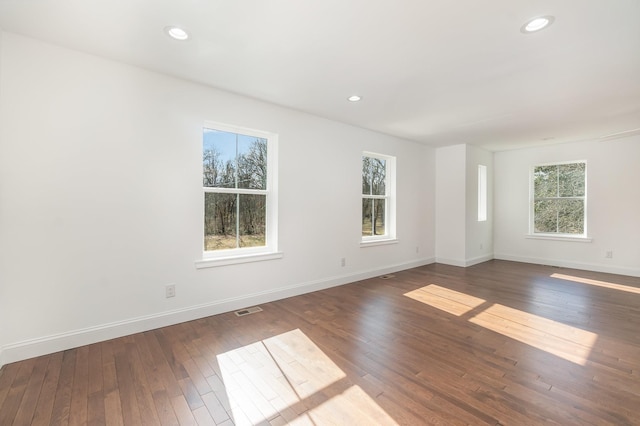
[
  {"x": 170, "y": 291},
  {"x": 481, "y": 246},
  {"x": 609, "y": 254},
  {"x": 343, "y": 262},
  {"x": 417, "y": 249}
]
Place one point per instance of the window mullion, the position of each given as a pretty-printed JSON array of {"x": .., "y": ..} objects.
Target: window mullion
[
  {"x": 235, "y": 191},
  {"x": 238, "y": 221}
]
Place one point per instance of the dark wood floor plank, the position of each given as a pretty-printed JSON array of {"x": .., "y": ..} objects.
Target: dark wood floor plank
[
  {"x": 8, "y": 374},
  {"x": 161, "y": 367},
  {"x": 111, "y": 393},
  {"x": 46, "y": 399},
  {"x": 78, "y": 412},
  {"x": 62, "y": 404},
  {"x": 95, "y": 387},
  {"x": 96, "y": 378},
  {"x": 494, "y": 344},
  {"x": 29, "y": 401},
  {"x": 166, "y": 415},
  {"x": 16, "y": 392},
  {"x": 182, "y": 411},
  {"x": 142, "y": 388},
  {"x": 127, "y": 390}
]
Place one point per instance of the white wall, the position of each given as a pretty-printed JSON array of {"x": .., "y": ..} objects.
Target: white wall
[
  {"x": 460, "y": 239},
  {"x": 479, "y": 235},
  {"x": 613, "y": 206},
  {"x": 4, "y": 323},
  {"x": 101, "y": 200},
  {"x": 451, "y": 205}
]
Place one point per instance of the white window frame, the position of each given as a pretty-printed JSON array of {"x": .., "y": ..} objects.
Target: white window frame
[
  {"x": 553, "y": 235},
  {"x": 247, "y": 254},
  {"x": 389, "y": 236},
  {"x": 482, "y": 193}
]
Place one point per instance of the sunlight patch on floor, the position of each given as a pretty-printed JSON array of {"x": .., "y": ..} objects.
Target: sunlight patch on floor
[
  {"x": 445, "y": 299},
  {"x": 353, "y": 406},
  {"x": 564, "y": 341},
  {"x": 288, "y": 379},
  {"x": 597, "y": 283}
]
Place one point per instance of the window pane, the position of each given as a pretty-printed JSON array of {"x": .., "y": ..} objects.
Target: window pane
[
  {"x": 546, "y": 216},
  {"x": 482, "y": 193},
  {"x": 219, "y": 221},
  {"x": 252, "y": 162},
  {"x": 374, "y": 176},
  {"x": 571, "y": 216},
  {"x": 378, "y": 176},
  {"x": 366, "y": 175},
  {"x": 210, "y": 167},
  {"x": 367, "y": 210},
  {"x": 545, "y": 181},
  {"x": 218, "y": 159},
  {"x": 379, "y": 217},
  {"x": 253, "y": 220},
  {"x": 571, "y": 179}
]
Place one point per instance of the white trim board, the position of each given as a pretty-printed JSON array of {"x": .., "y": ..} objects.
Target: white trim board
[
  {"x": 58, "y": 342},
  {"x": 609, "y": 269},
  {"x": 466, "y": 262}
]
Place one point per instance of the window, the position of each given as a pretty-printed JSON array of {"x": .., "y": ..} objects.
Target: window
[
  {"x": 482, "y": 193},
  {"x": 378, "y": 204},
  {"x": 238, "y": 180},
  {"x": 559, "y": 199}
]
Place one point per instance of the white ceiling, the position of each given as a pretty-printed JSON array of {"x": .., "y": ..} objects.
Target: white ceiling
[{"x": 439, "y": 72}]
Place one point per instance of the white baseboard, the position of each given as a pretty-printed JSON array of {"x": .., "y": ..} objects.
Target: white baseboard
[
  {"x": 609, "y": 269},
  {"x": 58, "y": 342},
  {"x": 452, "y": 262},
  {"x": 479, "y": 259},
  {"x": 466, "y": 262}
]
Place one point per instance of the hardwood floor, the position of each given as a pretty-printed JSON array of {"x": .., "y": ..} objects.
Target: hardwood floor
[{"x": 500, "y": 343}]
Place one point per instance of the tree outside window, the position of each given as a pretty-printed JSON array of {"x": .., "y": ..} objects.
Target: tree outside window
[
  {"x": 236, "y": 193},
  {"x": 559, "y": 198},
  {"x": 376, "y": 196}
]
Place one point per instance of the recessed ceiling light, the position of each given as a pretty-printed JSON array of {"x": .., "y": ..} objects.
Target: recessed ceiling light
[
  {"x": 354, "y": 98},
  {"x": 176, "y": 33},
  {"x": 536, "y": 24}
]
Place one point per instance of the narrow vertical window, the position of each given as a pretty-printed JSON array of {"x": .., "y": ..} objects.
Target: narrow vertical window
[
  {"x": 377, "y": 197},
  {"x": 482, "y": 193}
]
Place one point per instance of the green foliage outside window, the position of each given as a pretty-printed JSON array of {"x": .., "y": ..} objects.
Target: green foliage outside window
[{"x": 559, "y": 198}]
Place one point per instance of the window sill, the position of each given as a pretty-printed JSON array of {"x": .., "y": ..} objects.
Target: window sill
[
  {"x": 235, "y": 260},
  {"x": 373, "y": 243},
  {"x": 559, "y": 238}
]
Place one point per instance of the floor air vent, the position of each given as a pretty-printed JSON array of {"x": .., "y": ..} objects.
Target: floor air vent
[
  {"x": 386, "y": 276},
  {"x": 248, "y": 311}
]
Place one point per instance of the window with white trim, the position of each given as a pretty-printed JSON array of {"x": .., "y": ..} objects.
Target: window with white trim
[
  {"x": 482, "y": 193},
  {"x": 559, "y": 199},
  {"x": 378, "y": 201},
  {"x": 238, "y": 183}
]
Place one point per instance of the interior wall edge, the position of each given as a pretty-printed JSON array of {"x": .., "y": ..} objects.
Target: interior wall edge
[
  {"x": 59, "y": 342},
  {"x": 452, "y": 262},
  {"x": 479, "y": 259},
  {"x": 463, "y": 263}
]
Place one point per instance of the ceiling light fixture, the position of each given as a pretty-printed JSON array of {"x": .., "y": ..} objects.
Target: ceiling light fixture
[
  {"x": 536, "y": 24},
  {"x": 354, "y": 98},
  {"x": 176, "y": 33}
]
